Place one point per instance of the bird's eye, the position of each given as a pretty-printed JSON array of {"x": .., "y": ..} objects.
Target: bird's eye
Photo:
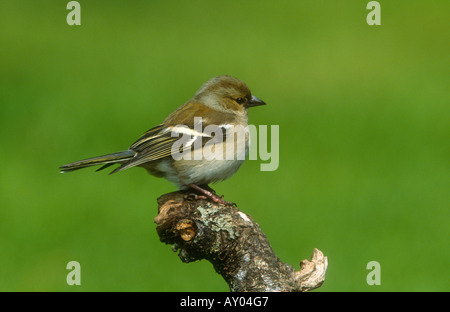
[{"x": 240, "y": 100}]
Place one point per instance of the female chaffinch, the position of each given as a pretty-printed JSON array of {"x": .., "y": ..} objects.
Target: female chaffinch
[{"x": 221, "y": 103}]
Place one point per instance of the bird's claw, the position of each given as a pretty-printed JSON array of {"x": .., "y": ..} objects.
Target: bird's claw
[{"x": 194, "y": 196}]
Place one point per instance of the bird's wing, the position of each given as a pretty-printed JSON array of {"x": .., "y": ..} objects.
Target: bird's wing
[
  {"x": 154, "y": 144},
  {"x": 168, "y": 138}
]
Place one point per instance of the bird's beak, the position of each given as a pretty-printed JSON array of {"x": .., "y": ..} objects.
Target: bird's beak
[{"x": 255, "y": 102}]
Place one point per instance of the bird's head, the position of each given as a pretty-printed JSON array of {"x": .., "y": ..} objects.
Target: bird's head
[{"x": 226, "y": 93}]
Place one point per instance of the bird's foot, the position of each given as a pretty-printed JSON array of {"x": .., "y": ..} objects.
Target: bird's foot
[
  {"x": 219, "y": 199},
  {"x": 194, "y": 196},
  {"x": 210, "y": 193}
]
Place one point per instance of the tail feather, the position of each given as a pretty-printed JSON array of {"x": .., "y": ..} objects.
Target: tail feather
[
  {"x": 105, "y": 160},
  {"x": 104, "y": 166}
]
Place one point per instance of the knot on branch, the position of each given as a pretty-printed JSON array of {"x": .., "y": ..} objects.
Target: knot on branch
[{"x": 233, "y": 243}]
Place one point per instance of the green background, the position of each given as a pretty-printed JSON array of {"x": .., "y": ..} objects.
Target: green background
[{"x": 363, "y": 112}]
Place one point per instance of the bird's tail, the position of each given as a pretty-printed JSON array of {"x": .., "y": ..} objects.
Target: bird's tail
[{"x": 105, "y": 160}]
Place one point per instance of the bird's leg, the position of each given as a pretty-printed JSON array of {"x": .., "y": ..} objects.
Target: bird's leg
[
  {"x": 208, "y": 188},
  {"x": 209, "y": 192}
]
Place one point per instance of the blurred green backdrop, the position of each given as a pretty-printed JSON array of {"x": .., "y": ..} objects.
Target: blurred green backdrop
[{"x": 363, "y": 112}]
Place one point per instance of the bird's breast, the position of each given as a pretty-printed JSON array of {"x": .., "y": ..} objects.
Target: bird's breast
[{"x": 216, "y": 160}]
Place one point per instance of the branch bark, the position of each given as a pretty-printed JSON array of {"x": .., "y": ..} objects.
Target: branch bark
[{"x": 233, "y": 243}]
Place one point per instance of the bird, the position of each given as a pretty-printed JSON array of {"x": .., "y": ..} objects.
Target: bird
[{"x": 220, "y": 104}]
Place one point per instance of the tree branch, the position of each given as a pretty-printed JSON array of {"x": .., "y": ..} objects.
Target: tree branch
[{"x": 233, "y": 243}]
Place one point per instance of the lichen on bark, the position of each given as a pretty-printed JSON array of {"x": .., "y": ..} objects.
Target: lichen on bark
[{"x": 234, "y": 243}]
